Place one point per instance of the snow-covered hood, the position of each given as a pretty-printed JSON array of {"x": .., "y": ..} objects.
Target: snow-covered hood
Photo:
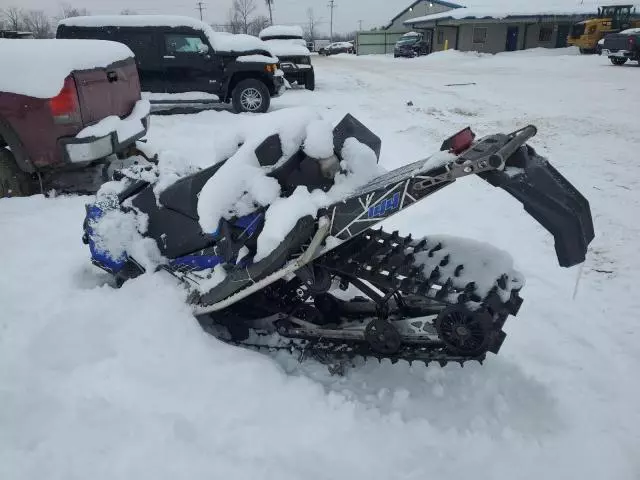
[
  {"x": 221, "y": 42},
  {"x": 37, "y": 68},
  {"x": 287, "y": 48}
]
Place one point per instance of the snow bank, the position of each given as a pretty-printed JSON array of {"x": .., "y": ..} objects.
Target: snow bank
[
  {"x": 284, "y": 48},
  {"x": 219, "y": 41},
  {"x": 124, "y": 127},
  {"x": 37, "y": 68},
  {"x": 281, "y": 31}
]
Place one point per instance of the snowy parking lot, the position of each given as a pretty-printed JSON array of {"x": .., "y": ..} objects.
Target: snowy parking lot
[{"x": 123, "y": 384}]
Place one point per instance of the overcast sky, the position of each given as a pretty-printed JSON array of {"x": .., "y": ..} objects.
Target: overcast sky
[{"x": 346, "y": 14}]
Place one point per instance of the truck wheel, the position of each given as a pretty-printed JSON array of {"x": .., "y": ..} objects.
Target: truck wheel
[
  {"x": 618, "y": 60},
  {"x": 310, "y": 81},
  {"x": 13, "y": 181},
  {"x": 251, "y": 96}
]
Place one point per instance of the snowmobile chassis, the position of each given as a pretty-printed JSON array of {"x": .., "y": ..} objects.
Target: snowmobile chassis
[{"x": 416, "y": 306}]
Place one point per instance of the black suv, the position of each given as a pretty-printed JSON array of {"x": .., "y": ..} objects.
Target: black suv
[
  {"x": 181, "y": 54},
  {"x": 288, "y": 44},
  {"x": 411, "y": 45}
]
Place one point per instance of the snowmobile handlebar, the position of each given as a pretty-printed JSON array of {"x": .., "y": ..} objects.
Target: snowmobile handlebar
[{"x": 518, "y": 139}]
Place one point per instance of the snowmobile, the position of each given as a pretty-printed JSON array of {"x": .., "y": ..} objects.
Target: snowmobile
[{"x": 338, "y": 286}]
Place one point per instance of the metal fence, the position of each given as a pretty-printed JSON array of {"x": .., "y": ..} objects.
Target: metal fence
[{"x": 376, "y": 42}]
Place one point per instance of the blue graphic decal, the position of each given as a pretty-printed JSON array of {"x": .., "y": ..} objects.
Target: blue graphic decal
[
  {"x": 197, "y": 262},
  {"x": 100, "y": 257},
  {"x": 250, "y": 223},
  {"x": 384, "y": 206}
]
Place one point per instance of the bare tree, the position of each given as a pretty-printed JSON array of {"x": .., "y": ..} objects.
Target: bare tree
[
  {"x": 242, "y": 10},
  {"x": 234, "y": 23},
  {"x": 269, "y": 4},
  {"x": 257, "y": 25},
  {"x": 128, "y": 11},
  {"x": 13, "y": 18},
  {"x": 68, "y": 11},
  {"x": 310, "y": 29},
  {"x": 38, "y": 23}
]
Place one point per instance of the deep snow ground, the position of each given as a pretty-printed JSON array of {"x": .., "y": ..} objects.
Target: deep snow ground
[{"x": 104, "y": 383}]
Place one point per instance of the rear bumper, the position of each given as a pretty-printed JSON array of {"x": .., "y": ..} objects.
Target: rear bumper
[
  {"x": 617, "y": 53},
  {"x": 83, "y": 149},
  {"x": 278, "y": 84}
]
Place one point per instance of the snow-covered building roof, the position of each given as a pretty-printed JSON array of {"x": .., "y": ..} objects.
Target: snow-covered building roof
[
  {"x": 37, "y": 68},
  {"x": 498, "y": 13},
  {"x": 413, "y": 4},
  {"x": 221, "y": 42},
  {"x": 282, "y": 31}
]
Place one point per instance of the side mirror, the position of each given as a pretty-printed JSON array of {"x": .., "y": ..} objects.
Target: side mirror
[{"x": 203, "y": 48}]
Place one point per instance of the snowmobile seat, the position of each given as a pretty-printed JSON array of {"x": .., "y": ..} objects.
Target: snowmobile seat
[{"x": 182, "y": 196}]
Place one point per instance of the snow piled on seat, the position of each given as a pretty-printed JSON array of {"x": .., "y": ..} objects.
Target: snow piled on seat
[
  {"x": 38, "y": 68},
  {"x": 241, "y": 185}
]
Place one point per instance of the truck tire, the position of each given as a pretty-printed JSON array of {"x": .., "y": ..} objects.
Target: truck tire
[
  {"x": 13, "y": 181},
  {"x": 310, "y": 81},
  {"x": 618, "y": 60},
  {"x": 251, "y": 96}
]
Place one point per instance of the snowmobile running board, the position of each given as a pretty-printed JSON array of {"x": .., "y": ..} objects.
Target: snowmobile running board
[
  {"x": 502, "y": 160},
  {"x": 309, "y": 254}
]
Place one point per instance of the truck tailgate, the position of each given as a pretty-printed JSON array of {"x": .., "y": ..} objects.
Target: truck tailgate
[
  {"x": 616, "y": 41},
  {"x": 107, "y": 91}
]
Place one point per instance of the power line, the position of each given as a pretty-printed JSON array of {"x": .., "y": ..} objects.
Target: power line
[
  {"x": 332, "y": 5},
  {"x": 200, "y": 7}
]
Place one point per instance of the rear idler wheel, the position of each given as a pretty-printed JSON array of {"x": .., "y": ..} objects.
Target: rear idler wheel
[
  {"x": 383, "y": 337},
  {"x": 464, "y": 332}
]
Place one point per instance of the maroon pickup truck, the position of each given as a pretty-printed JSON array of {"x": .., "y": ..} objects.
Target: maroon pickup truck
[{"x": 66, "y": 107}]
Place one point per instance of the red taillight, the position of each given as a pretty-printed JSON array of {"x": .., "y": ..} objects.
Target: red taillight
[
  {"x": 64, "y": 106},
  {"x": 632, "y": 42},
  {"x": 460, "y": 142}
]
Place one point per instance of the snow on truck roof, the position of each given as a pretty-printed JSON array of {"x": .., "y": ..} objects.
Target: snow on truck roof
[
  {"x": 219, "y": 41},
  {"x": 37, "y": 68},
  {"x": 282, "y": 31},
  {"x": 287, "y": 48}
]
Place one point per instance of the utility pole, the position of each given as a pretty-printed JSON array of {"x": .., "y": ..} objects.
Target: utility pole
[
  {"x": 200, "y": 7},
  {"x": 359, "y": 25},
  {"x": 332, "y": 5},
  {"x": 269, "y": 3}
]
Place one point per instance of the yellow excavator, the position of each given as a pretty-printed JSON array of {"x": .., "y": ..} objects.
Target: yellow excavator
[{"x": 611, "y": 19}]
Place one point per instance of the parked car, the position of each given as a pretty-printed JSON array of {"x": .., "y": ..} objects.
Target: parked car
[
  {"x": 66, "y": 106},
  {"x": 411, "y": 45},
  {"x": 337, "y": 47},
  {"x": 623, "y": 46},
  {"x": 288, "y": 44},
  {"x": 15, "y": 34},
  {"x": 180, "y": 54}
]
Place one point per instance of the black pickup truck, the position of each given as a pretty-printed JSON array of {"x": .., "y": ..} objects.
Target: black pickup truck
[{"x": 623, "y": 46}]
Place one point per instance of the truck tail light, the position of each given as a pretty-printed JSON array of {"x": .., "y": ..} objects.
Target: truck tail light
[{"x": 64, "y": 106}]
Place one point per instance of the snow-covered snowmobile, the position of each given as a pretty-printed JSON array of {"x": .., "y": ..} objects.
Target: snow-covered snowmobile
[{"x": 336, "y": 286}]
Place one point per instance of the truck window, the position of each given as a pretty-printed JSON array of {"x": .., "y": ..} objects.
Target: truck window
[{"x": 183, "y": 44}]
